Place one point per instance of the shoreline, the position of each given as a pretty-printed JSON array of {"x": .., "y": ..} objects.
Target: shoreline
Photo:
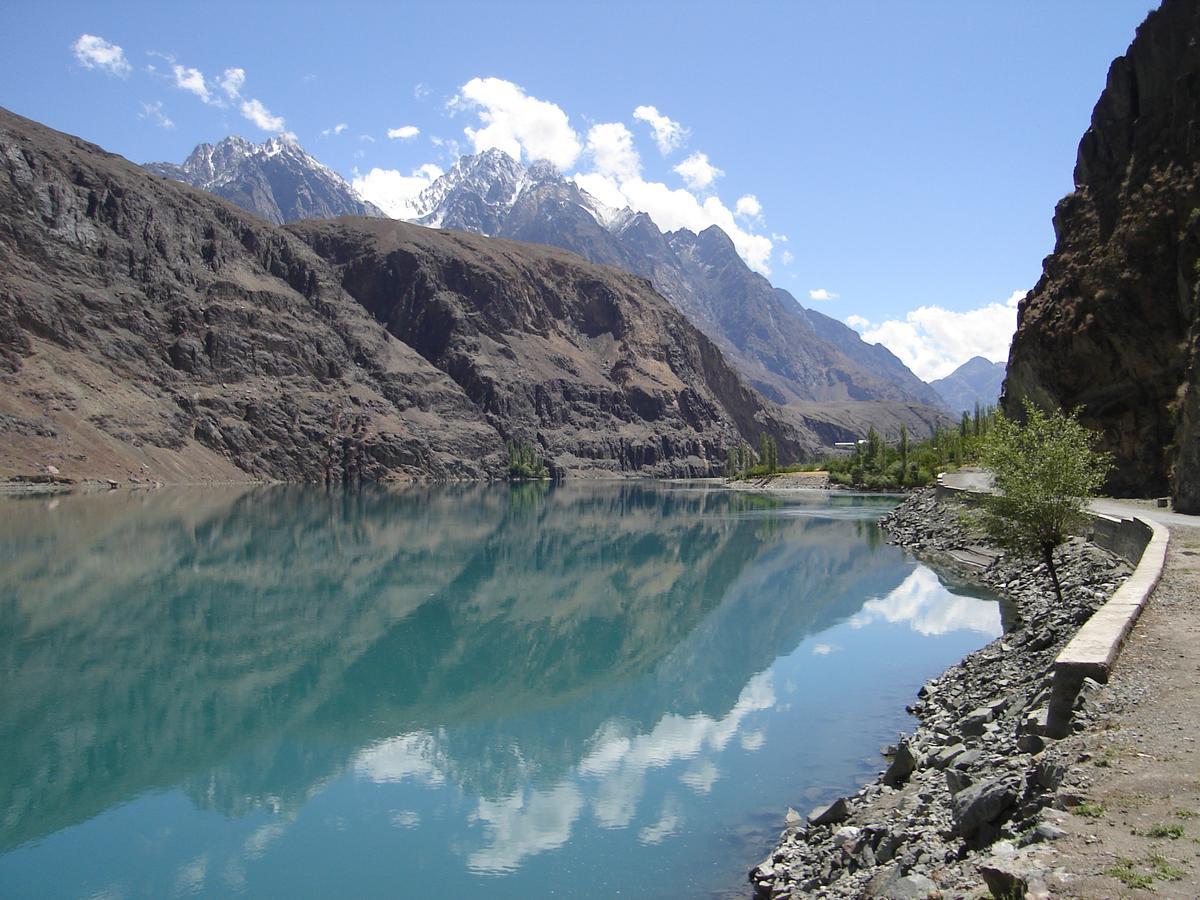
[{"x": 976, "y": 782}]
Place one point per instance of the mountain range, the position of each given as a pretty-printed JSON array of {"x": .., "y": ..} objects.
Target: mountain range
[
  {"x": 153, "y": 331},
  {"x": 792, "y": 355},
  {"x": 976, "y": 382}
]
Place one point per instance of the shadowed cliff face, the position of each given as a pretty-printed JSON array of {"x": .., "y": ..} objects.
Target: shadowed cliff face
[
  {"x": 585, "y": 360},
  {"x": 1112, "y": 324}
]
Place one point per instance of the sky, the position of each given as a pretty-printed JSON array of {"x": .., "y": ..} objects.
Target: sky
[{"x": 894, "y": 165}]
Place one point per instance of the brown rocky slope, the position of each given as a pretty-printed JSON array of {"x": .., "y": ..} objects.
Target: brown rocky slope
[
  {"x": 149, "y": 330},
  {"x": 1112, "y": 324}
]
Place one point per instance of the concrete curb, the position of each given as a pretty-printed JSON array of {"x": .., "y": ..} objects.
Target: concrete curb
[{"x": 1095, "y": 647}]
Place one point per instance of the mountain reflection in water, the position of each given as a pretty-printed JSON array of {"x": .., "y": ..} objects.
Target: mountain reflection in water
[{"x": 499, "y": 672}]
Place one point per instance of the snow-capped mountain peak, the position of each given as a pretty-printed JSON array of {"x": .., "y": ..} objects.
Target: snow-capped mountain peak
[{"x": 277, "y": 179}]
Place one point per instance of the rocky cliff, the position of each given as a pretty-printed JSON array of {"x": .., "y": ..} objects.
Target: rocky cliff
[
  {"x": 1112, "y": 324},
  {"x": 152, "y": 331},
  {"x": 587, "y": 361}
]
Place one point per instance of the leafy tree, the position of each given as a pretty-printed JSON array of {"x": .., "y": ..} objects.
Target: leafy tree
[
  {"x": 903, "y": 454},
  {"x": 1045, "y": 469},
  {"x": 525, "y": 462}
]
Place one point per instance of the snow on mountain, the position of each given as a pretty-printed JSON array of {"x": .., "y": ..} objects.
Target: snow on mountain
[{"x": 277, "y": 180}]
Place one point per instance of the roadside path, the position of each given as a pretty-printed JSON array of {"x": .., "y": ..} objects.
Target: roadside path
[{"x": 1137, "y": 833}]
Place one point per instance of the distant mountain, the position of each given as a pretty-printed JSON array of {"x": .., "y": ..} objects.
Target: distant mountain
[
  {"x": 276, "y": 180},
  {"x": 789, "y": 353},
  {"x": 978, "y": 380}
]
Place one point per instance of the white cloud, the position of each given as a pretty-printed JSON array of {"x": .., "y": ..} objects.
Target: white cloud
[
  {"x": 517, "y": 123},
  {"x": 933, "y": 341},
  {"x": 154, "y": 112},
  {"x": 675, "y": 208},
  {"x": 394, "y": 192},
  {"x": 261, "y": 116},
  {"x": 192, "y": 81},
  {"x": 335, "y": 130},
  {"x": 697, "y": 172},
  {"x": 421, "y": 90},
  {"x": 782, "y": 238},
  {"x": 786, "y": 257},
  {"x": 748, "y": 206},
  {"x": 822, "y": 294},
  {"x": 858, "y": 323},
  {"x": 232, "y": 81},
  {"x": 668, "y": 134},
  {"x": 96, "y": 53},
  {"x": 611, "y": 148},
  {"x": 823, "y": 649},
  {"x": 403, "y": 133}
]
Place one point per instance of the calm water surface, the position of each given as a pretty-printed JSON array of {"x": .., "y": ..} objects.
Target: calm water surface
[{"x": 594, "y": 690}]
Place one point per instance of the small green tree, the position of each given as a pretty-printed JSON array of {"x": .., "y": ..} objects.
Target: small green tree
[
  {"x": 1045, "y": 469},
  {"x": 903, "y": 454}
]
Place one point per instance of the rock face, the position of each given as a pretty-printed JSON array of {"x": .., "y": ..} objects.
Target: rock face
[
  {"x": 586, "y": 361},
  {"x": 152, "y": 331},
  {"x": 276, "y": 180},
  {"x": 1112, "y": 324},
  {"x": 787, "y": 352},
  {"x": 977, "y": 381}
]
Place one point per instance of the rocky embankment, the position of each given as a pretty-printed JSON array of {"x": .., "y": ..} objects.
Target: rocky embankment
[{"x": 969, "y": 797}]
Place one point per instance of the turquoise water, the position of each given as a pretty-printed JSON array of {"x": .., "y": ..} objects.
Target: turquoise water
[{"x": 594, "y": 690}]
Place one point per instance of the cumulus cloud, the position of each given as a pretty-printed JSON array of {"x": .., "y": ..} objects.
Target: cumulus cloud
[
  {"x": 668, "y": 134},
  {"x": 858, "y": 323},
  {"x": 334, "y": 130},
  {"x": 394, "y": 192},
  {"x": 421, "y": 90},
  {"x": 786, "y": 257},
  {"x": 403, "y": 133},
  {"x": 933, "y": 341},
  {"x": 822, "y": 294},
  {"x": 154, "y": 113},
  {"x": 674, "y": 208},
  {"x": 192, "y": 81},
  {"x": 94, "y": 52},
  {"x": 232, "y": 81},
  {"x": 520, "y": 125},
  {"x": 748, "y": 206},
  {"x": 610, "y": 146},
  {"x": 261, "y": 116},
  {"x": 697, "y": 172}
]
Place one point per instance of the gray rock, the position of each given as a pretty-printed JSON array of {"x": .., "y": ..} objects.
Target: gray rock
[
  {"x": 835, "y": 812},
  {"x": 903, "y": 764},
  {"x": 947, "y": 755},
  {"x": 979, "y": 807},
  {"x": 972, "y": 724}
]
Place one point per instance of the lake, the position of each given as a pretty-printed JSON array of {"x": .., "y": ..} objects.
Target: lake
[{"x": 585, "y": 690}]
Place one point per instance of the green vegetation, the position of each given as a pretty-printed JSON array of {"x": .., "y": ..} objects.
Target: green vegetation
[
  {"x": 877, "y": 463},
  {"x": 1090, "y": 810},
  {"x": 1174, "y": 832},
  {"x": 525, "y": 463},
  {"x": 1125, "y": 872},
  {"x": 1045, "y": 469},
  {"x": 1161, "y": 868}
]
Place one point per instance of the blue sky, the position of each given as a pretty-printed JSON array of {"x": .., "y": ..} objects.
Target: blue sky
[{"x": 904, "y": 159}]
